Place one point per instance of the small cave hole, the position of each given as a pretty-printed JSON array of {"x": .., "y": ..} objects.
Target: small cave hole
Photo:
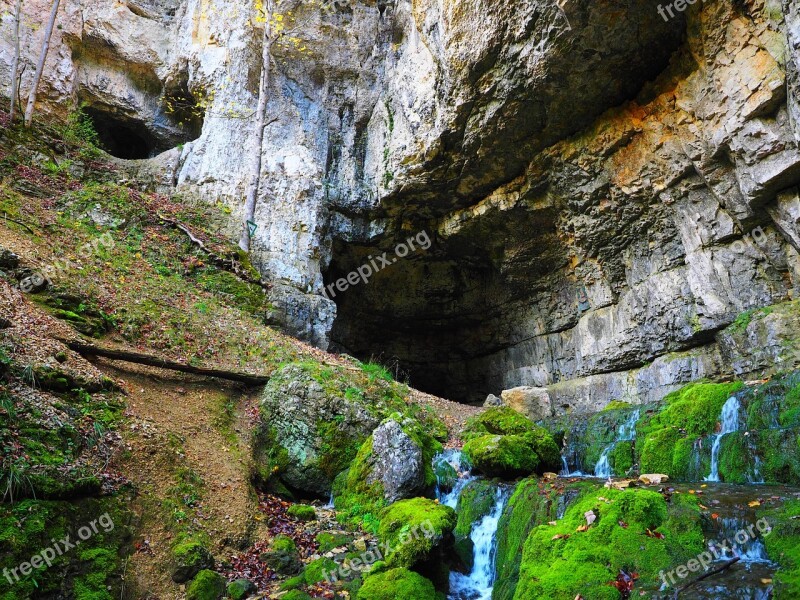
[{"x": 123, "y": 138}]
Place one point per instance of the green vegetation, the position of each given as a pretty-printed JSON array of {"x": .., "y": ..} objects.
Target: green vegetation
[
  {"x": 319, "y": 570},
  {"x": 189, "y": 559},
  {"x": 208, "y": 585},
  {"x": 302, "y": 512},
  {"x": 412, "y": 529},
  {"x": 397, "y": 583},
  {"x": 690, "y": 413},
  {"x": 357, "y": 502},
  {"x": 783, "y": 546},
  {"x": 475, "y": 502},
  {"x": 506, "y": 456},
  {"x": 572, "y": 558},
  {"x": 533, "y": 503}
]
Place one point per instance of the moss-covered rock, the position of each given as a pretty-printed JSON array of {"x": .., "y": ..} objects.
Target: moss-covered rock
[
  {"x": 282, "y": 556},
  {"x": 621, "y": 458},
  {"x": 395, "y": 584},
  {"x": 91, "y": 571},
  {"x": 322, "y": 569},
  {"x": 358, "y": 501},
  {"x": 532, "y": 503},
  {"x": 475, "y": 502},
  {"x": 783, "y": 547},
  {"x": 562, "y": 561},
  {"x": 189, "y": 558},
  {"x": 207, "y": 585},
  {"x": 241, "y": 589},
  {"x": 506, "y": 456},
  {"x": 296, "y": 595},
  {"x": 302, "y": 512},
  {"x": 413, "y": 529},
  {"x": 315, "y": 418},
  {"x": 328, "y": 541},
  {"x": 499, "y": 420},
  {"x": 688, "y": 414}
]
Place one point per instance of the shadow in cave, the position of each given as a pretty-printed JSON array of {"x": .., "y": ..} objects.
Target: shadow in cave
[
  {"x": 450, "y": 316},
  {"x": 123, "y": 138}
]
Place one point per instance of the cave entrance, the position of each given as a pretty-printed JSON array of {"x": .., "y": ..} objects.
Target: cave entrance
[
  {"x": 123, "y": 138},
  {"x": 448, "y": 318}
]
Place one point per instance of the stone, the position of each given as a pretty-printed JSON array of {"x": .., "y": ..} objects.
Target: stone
[
  {"x": 492, "y": 400},
  {"x": 240, "y": 589},
  {"x": 398, "y": 464},
  {"x": 207, "y": 585},
  {"x": 532, "y": 402},
  {"x": 189, "y": 559}
]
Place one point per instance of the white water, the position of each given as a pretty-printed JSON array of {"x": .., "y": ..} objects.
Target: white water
[
  {"x": 729, "y": 418},
  {"x": 464, "y": 477},
  {"x": 625, "y": 433},
  {"x": 478, "y": 584}
]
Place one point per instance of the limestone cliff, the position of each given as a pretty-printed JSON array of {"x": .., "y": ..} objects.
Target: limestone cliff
[{"x": 605, "y": 190}]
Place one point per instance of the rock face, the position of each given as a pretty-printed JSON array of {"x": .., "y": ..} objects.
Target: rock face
[
  {"x": 602, "y": 191},
  {"x": 398, "y": 464}
]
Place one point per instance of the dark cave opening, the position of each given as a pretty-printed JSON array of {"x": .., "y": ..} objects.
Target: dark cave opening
[
  {"x": 125, "y": 139},
  {"x": 445, "y": 318}
]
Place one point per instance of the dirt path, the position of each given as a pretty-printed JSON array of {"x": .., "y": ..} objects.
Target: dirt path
[{"x": 184, "y": 436}]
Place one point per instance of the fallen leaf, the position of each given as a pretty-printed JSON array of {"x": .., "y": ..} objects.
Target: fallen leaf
[
  {"x": 754, "y": 503},
  {"x": 714, "y": 516},
  {"x": 654, "y": 534},
  {"x": 590, "y": 517},
  {"x": 583, "y": 528},
  {"x": 560, "y": 536}
]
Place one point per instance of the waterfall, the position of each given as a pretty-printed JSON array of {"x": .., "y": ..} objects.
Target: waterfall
[
  {"x": 729, "y": 418},
  {"x": 453, "y": 458},
  {"x": 478, "y": 584},
  {"x": 625, "y": 433}
]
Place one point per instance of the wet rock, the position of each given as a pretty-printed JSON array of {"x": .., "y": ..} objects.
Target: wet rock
[
  {"x": 189, "y": 559},
  {"x": 492, "y": 400},
  {"x": 534, "y": 403}
]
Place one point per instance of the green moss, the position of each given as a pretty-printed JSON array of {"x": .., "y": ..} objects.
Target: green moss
[
  {"x": 533, "y": 503},
  {"x": 328, "y": 541},
  {"x": 302, "y": 512},
  {"x": 783, "y": 547},
  {"x": 241, "y": 589},
  {"x": 690, "y": 413},
  {"x": 545, "y": 448},
  {"x": 500, "y": 420},
  {"x": 395, "y": 584},
  {"x": 207, "y": 585},
  {"x": 561, "y": 562},
  {"x": 413, "y": 528},
  {"x": 90, "y": 571},
  {"x": 293, "y": 583},
  {"x": 621, "y": 458},
  {"x": 283, "y": 543},
  {"x": 189, "y": 558},
  {"x": 320, "y": 570},
  {"x": 296, "y": 595},
  {"x": 357, "y": 502},
  {"x": 475, "y": 502},
  {"x": 506, "y": 456},
  {"x": 617, "y": 405}
]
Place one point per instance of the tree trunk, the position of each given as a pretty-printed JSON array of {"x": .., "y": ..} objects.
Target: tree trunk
[
  {"x": 40, "y": 66},
  {"x": 261, "y": 124},
  {"x": 15, "y": 62},
  {"x": 162, "y": 363}
]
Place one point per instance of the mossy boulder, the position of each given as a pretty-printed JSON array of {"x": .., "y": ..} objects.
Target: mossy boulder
[
  {"x": 533, "y": 503},
  {"x": 315, "y": 418},
  {"x": 394, "y": 463},
  {"x": 395, "y": 584},
  {"x": 328, "y": 541},
  {"x": 296, "y": 595},
  {"x": 302, "y": 512},
  {"x": 189, "y": 559},
  {"x": 783, "y": 547},
  {"x": 506, "y": 456},
  {"x": 282, "y": 556},
  {"x": 241, "y": 589},
  {"x": 500, "y": 420},
  {"x": 475, "y": 502},
  {"x": 688, "y": 414},
  {"x": 412, "y": 529},
  {"x": 322, "y": 569},
  {"x": 207, "y": 585},
  {"x": 446, "y": 475},
  {"x": 563, "y": 561}
]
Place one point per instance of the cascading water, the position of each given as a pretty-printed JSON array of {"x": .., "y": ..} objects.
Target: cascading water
[
  {"x": 625, "y": 433},
  {"x": 453, "y": 458},
  {"x": 478, "y": 584},
  {"x": 729, "y": 419}
]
